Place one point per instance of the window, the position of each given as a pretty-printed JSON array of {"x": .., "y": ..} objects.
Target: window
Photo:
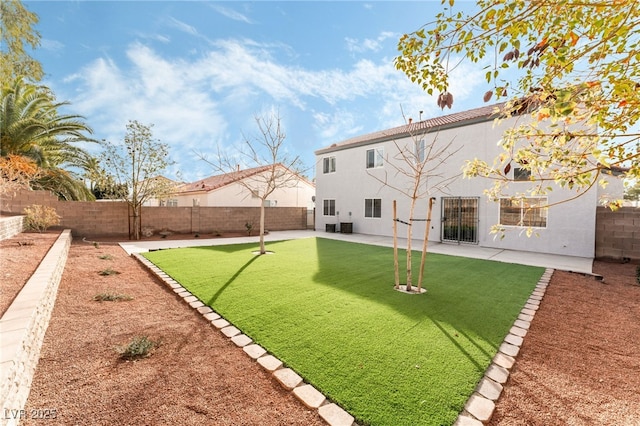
[
  {"x": 520, "y": 174},
  {"x": 329, "y": 165},
  {"x": 420, "y": 151},
  {"x": 529, "y": 212},
  {"x": 372, "y": 207},
  {"x": 172, "y": 202},
  {"x": 329, "y": 207},
  {"x": 375, "y": 157}
]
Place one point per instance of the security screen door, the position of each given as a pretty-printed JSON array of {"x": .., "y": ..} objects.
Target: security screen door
[{"x": 459, "y": 220}]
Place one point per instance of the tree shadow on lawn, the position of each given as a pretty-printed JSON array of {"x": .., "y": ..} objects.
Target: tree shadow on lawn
[
  {"x": 224, "y": 286},
  {"x": 473, "y": 297}
]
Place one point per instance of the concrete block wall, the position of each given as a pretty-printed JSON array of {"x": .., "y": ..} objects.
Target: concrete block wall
[
  {"x": 10, "y": 226},
  {"x": 111, "y": 218},
  {"x": 618, "y": 233},
  {"x": 222, "y": 219},
  {"x": 22, "y": 330}
]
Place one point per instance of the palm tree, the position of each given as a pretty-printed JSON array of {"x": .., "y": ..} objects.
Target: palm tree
[{"x": 31, "y": 127}]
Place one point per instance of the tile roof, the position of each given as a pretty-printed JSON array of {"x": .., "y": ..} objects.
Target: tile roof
[
  {"x": 218, "y": 181},
  {"x": 451, "y": 120}
]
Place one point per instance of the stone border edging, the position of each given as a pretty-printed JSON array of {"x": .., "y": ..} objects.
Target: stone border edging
[
  {"x": 330, "y": 412},
  {"x": 23, "y": 327},
  {"x": 480, "y": 406}
]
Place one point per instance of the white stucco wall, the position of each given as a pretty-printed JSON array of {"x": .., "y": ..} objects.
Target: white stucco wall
[{"x": 570, "y": 226}]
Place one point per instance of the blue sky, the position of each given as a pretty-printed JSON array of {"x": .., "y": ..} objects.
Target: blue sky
[{"x": 200, "y": 71}]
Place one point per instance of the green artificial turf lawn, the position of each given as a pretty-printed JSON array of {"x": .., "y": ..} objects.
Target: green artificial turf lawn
[{"x": 328, "y": 310}]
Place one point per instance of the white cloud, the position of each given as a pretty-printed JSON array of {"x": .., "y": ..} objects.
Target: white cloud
[
  {"x": 368, "y": 44},
  {"x": 197, "y": 105},
  {"x": 230, "y": 13},
  {"x": 184, "y": 27},
  {"x": 330, "y": 126},
  {"x": 154, "y": 91},
  {"x": 156, "y": 37},
  {"x": 51, "y": 45}
]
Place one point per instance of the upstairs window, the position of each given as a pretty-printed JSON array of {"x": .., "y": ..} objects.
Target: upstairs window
[
  {"x": 329, "y": 165},
  {"x": 329, "y": 207},
  {"x": 520, "y": 174},
  {"x": 420, "y": 151},
  {"x": 373, "y": 207},
  {"x": 375, "y": 158}
]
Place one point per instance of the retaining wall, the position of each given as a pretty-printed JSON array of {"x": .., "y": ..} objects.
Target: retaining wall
[
  {"x": 111, "y": 218},
  {"x": 22, "y": 330},
  {"x": 618, "y": 233},
  {"x": 10, "y": 226}
]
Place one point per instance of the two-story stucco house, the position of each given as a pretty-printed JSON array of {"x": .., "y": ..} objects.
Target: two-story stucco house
[{"x": 357, "y": 181}]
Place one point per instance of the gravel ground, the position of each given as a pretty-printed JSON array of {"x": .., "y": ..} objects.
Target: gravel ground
[{"x": 579, "y": 364}]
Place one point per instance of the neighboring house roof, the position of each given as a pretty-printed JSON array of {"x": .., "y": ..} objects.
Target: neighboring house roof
[
  {"x": 218, "y": 181},
  {"x": 458, "y": 119}
]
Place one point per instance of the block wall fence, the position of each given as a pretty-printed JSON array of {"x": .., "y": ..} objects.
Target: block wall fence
[
  {"x": 111, "y": 218},
  {"x": 618, "y": 233}
]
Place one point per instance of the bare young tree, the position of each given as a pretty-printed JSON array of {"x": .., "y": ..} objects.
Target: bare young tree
[
  {"x": 266, "y": 151},
  {"x": 418, "y": 174},
  {"x": 137, "y": 165}
]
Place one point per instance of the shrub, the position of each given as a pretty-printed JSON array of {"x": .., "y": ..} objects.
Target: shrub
[
  {"x": 106, "y": 257},
  {"x": 111, "y": 297},
  {"x": 108, "y": 271},
  {"x": 139, "y": 347},
  {"x": 638, "y": 274},
  {"x": 39, "y": 218}
]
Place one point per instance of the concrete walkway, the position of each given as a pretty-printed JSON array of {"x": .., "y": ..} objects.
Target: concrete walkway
[{"x": 553, "y": 261}]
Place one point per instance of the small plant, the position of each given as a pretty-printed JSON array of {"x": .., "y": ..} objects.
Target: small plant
[
  {"x": 249, "y": 227},
  {"x": 40, "y": 218},
  {"x": 111, "y": 297},
  {"x": 106, "y": 257},
  {"x": 638, "y": 274},
  {"x": 25, "y": 243},
  {"x": 94, "y": 243},
  {"x": 108, "y": 271},
  {"x": 139, "y": 347}
]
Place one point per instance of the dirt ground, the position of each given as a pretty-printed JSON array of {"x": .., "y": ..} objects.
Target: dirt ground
[
  {"x": 580, "y": 361},
  {"x": 579, "y": 364},
  {"x": 19, "y": 258}
]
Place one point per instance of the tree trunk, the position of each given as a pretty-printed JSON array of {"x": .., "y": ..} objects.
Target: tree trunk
[
  {"x": 409, "y": 235},
  {"x": 396, "y": 268},
  {"x": 425, "y": 243},
  {"x": 136, "y": 222},
  {"x": 262, "y": 249}
]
